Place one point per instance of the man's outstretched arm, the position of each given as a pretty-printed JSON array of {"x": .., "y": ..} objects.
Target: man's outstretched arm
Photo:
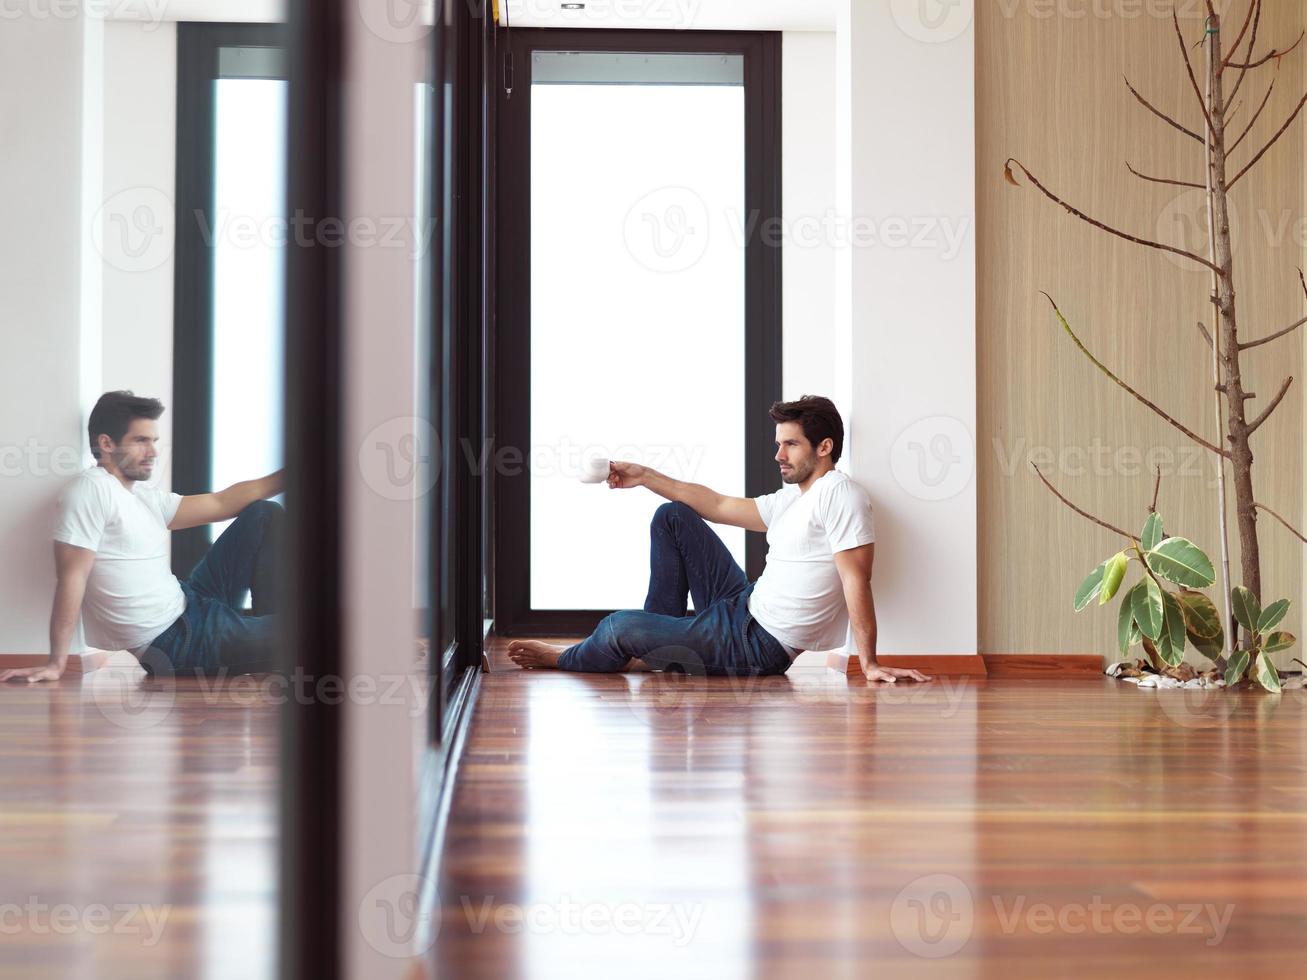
[
  {"x": 72, "y": 566},
  {"x": 707, "y": 503},
  {"x": 209, "y": 508},
  {"x": 854, "y": 566}
]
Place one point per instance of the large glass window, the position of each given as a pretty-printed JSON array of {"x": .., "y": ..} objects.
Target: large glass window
[
  {"x": 637, "y": 319},
  {"x": 249, "y": 197},
  {"x": 230, "y": 287}
]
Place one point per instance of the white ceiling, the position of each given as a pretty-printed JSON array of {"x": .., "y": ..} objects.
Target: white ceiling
[{"x": 699, "y": 15}]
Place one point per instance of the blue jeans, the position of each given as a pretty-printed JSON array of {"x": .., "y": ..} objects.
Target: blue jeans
[
  {"x": 212, "y": 636},
  {"x": 722, "y": 638}
]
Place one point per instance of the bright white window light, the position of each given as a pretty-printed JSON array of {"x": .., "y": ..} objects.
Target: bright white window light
[
  {"x": 637, "y": 310},
  {"x": 249, "y": 232}
]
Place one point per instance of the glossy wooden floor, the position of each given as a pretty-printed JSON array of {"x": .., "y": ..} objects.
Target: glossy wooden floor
[
  {"x": 808, "y": 826},
  {"x": 138, "y": 827}
]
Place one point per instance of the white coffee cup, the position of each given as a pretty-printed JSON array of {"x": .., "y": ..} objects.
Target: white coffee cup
[{"x": 594, "y": 470}]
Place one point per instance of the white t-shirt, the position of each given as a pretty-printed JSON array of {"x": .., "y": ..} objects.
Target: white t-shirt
[
  {"x": 131, "y": 594},
  {"x": 800, "y": 599}
]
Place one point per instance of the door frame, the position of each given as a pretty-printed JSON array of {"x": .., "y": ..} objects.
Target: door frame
[
  {"x": 198, "y": 45},
  {"x": 512, "y": 277}
]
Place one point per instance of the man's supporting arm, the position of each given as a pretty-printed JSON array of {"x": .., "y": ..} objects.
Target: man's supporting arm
[
  {"x": 209, "y": 508},
  {"x": 854, "y": 566},
  {"x": 707, "y": 503},
  {"x": 72, "y": 567}
]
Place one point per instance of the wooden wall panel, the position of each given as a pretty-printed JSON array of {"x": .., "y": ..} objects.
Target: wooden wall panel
[{"x": 1049, "y": 91}]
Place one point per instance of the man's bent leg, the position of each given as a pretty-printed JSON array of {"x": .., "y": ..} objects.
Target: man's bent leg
[
  {"x": 243, "y": 558},
  {"x": 687, "y": 555},
  {"x": 697, "y": 645}
]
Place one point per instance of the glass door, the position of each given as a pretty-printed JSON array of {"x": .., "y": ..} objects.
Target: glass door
[
  {"x": 638, "y": 305},
  {"x": 230, "y": 287}
]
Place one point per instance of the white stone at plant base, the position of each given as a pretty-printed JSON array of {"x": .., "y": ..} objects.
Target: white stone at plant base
[
  {"x": 1114, "y": 669},
  {"x": 1157, "y": 680},
  {"x": 1293, "y": 683}
]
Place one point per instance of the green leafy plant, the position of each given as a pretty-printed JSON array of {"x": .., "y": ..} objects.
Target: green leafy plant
[
  {"x": 1164, "y": 620},
  {"x": 1230, "y": 57},
  {"x": 1260, "y": 626}
]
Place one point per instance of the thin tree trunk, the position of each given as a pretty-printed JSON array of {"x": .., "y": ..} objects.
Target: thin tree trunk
[
  {"x": 1213, "y": 60},
  {"x": 1241, "y": 455}
]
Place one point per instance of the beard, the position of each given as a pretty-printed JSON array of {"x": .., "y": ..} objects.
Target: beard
[
  {"x": 138, "y": 470},
  {"x": 797, "y": 474}
]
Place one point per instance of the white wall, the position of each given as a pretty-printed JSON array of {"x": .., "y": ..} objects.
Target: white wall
[
  {"x": 90, "y": 112},
  {"x": 140, "y": 127},
  {"x": 808, "y": 200},
  {"x": 42, "y": 375},
  {"x": 905, "y": 315}
]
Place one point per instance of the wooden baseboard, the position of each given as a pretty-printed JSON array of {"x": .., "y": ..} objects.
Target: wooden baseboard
[
  {"x": 1056, "y": 666},
  {"x": 77, "y": 663},
  {"x": 1028, "y": 665}
]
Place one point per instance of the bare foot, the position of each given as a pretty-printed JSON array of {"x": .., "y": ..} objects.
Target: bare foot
[{"x": 534, "y": 654}]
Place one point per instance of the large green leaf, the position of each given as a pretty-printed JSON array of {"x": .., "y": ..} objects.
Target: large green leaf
[
  {"x": 1125, "y": 623},
  {"x": 1170, "y": 645},
  {"x": 1264, "y": 673},
  {"x": 1209, "y": 648},
  {"x": 1272, "y": 615},
  {"x": 1278, "y": 641},
  {"x": 1090, "y": 586},
  {"x": 1181, "y": 561},
  {"x": 1246, "y": 608},
  {"x": 1113, "y": 573},
  {"x": 1152, "y": 534},
  {"x": 1146, "y": 600},
  {"x": 1238, "y": 664},
  {"x": 1201, "y": 619}
]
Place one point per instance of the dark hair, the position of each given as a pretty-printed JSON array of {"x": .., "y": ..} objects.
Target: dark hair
[
  {"x": 114, "y": 413},
  {"x": 819, "y": 418}
]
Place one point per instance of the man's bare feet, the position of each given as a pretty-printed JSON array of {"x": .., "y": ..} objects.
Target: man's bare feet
[{"x": 534, "y": 654}]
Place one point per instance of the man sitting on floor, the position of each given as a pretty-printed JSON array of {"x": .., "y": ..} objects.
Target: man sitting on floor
[
  {"x": 820, "y": 538},
  {"x": 112, "y": 565}
]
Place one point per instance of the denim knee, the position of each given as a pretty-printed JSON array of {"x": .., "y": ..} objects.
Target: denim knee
[
  {"x": 268, "y": 510},
  {"x": 671, "y": 509}
]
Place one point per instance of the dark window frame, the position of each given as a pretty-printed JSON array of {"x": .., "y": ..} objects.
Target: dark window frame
[
  {"x": 461, "y": 150},
  {"x": 198, "y": 46},
  {"x": 762, "y": 362}
]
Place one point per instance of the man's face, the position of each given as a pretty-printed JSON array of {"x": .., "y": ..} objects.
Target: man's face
[
  {"x": 794, "y": 453},
  {"x": 135, "y": 455}
]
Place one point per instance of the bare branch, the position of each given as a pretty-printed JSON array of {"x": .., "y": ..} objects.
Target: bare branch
[
  {"x": 1157, "y": 485},
  {"x": 1202, "y": 328},
  {"x": 1256, "y": 115},
  {"x": 1189, "y": 67},
  {"x": 1252, "y": 43},
  {"x": 1160, "y": 114},
  {"x": 1275, "y": 336},
  {"x": 1242, "y": 31},
  {"x": 1256, "y": 423},
  {"x": 1007, "y": 171},
  {"x": 1262, "y": 152},
  {"x": 1083, "y": 513},
  {"x": 1102, "y": 367},
  {"x": 1277, "y": 55},
  {"x": 1163, "y": 180},
  {"x": 1293, "y": 529},
  {"x": 1279, "y": 333}
]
